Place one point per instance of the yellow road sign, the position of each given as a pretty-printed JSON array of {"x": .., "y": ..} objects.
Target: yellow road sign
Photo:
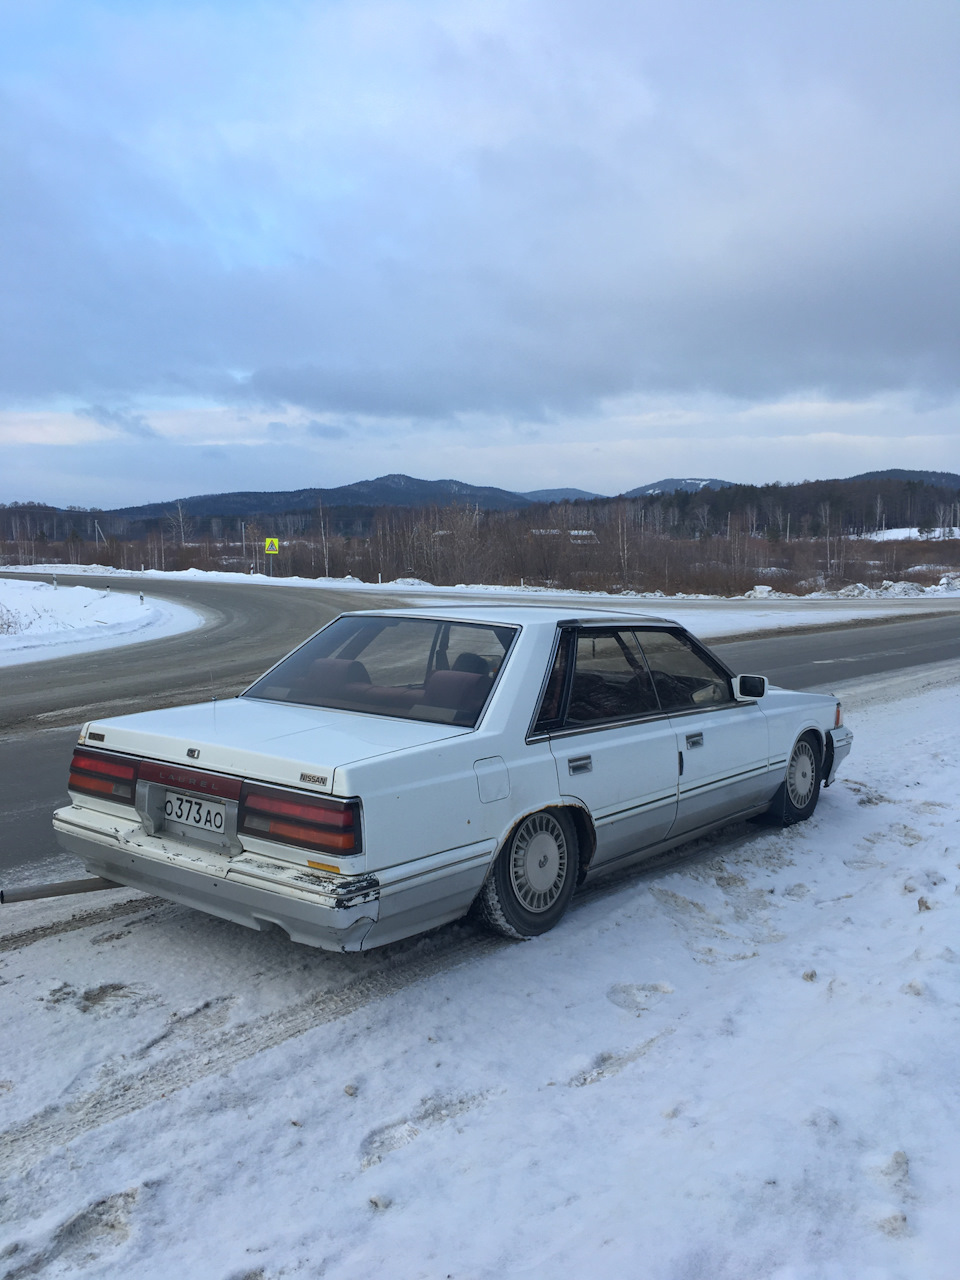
[{"x": 272, "y": 546}]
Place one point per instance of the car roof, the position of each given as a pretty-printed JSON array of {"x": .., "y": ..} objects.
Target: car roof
[{"x": 516, "y": 614}]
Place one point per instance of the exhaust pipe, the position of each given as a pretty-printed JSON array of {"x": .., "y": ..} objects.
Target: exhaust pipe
[{"x": 59, "y": 890}]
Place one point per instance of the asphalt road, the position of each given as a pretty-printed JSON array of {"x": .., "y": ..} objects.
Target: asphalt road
[
  {"x": 247, "y": 629},
  {"x": 868, "y": 648}
]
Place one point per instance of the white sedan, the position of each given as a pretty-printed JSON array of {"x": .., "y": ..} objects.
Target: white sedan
[{"x": 402, "y": 768}]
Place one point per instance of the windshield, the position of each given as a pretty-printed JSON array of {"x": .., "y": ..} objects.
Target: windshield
[{"x": 418, "y": 668}]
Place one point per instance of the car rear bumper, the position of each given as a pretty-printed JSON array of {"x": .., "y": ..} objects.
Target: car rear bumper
[
  {"x": 321, "y": 909},
  {"x": 332, "y": 912},
  {"x": 839, "y": 742}
]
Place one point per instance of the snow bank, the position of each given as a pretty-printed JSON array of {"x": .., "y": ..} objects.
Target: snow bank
[
  {"x": 949, "y": 584},
  {"x": 740, "y": 1068},
  {"x": 38, "y": 620}
]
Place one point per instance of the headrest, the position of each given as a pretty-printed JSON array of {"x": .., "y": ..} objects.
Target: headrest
[{"x": 461, "y": 690}]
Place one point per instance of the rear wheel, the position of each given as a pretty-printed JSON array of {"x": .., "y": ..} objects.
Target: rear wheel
[
  {"x": 800, "y": 789},
  {"x": 533, "y": 878}
]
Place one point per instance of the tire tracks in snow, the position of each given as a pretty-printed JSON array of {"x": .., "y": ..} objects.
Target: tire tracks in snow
[
  {"x": 82, "y": 920},
  {"x": 215, "y": 1053}
]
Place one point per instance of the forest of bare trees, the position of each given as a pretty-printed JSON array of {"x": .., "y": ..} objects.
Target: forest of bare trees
[{"x": 797, "y": 538}]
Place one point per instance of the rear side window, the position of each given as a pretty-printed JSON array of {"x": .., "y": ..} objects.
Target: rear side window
[
  {"x": 550, "y": 712},
  {"x": 416, "y": 668}
]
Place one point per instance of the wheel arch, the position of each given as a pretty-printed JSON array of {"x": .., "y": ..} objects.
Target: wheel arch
[
  {"x": 819, "y": 734},
  {"x": 586, "y": 836},
  {"x": 582, "y": 821}
]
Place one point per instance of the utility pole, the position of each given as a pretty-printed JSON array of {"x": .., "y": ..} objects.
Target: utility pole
[{"x": 323, "y": 538}]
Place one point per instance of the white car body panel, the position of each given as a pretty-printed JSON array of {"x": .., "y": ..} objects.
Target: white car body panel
[
  {"x": 725, "y": 752},
  {"x": 291, "y": 739},
  {"x": 628, "y": 783},
  {"x": 785, "y": 709},
  {"x": 437, "y": 801}
]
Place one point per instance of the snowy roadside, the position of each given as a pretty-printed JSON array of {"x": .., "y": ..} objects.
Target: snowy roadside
[
  {"x": 38, "y": 620},
  {"x": 742, "y": 1067}
]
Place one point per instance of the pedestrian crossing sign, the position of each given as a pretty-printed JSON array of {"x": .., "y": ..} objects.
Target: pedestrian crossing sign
[{"x": 272, "y": 546}]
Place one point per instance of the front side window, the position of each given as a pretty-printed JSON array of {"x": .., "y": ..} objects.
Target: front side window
[
  {"x": 417, "y": 668},
  {"x": 598, "y": 676},
  {"x": 605, "y": 675},
  {"x": 610, "y": 679},
  {"x": 684, "y": 676}
]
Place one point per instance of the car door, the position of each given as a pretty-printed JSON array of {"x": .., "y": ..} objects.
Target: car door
[
  {"x": 722, "y": 744},
  {"x": 615, "y": 750}
]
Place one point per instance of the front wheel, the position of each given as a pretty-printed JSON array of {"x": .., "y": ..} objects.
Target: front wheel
[
  {"x": 533, "y": 878},
  {"x": 800, "y": 789}
]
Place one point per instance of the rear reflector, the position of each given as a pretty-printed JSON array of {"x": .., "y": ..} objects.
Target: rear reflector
[
  {"x": 194, "y": 781},
  {"x": 98, "y": 773},
  {"x": 300, "y": 818}
]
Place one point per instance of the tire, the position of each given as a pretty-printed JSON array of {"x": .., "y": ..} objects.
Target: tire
[
  {"x": 533, "y": 878},
  {"x": 799, "y": 792}
]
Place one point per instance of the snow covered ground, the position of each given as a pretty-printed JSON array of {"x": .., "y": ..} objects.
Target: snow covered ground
[
  {"x": 912, "y": 535},
  {"x": 38, "y": 620},
  {"x": 740, "y": 1067}
]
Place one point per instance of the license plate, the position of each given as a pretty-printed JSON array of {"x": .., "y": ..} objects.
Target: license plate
[{"x": 199, "y": 815}]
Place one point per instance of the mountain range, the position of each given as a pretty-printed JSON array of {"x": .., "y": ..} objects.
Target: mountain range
[
  {"x": 387, "y": 491},
  {"x": 677, "y": 486},
  {"x": 940, "y": 479},
  {"x": 410, "y": 492}
]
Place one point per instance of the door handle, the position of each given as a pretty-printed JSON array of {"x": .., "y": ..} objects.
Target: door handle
[
  {"x": 580, "y": 764},
  {"x": 694, "y": 740}
]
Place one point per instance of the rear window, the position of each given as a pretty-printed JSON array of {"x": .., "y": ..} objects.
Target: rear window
[{"x": 417, "y": 668}]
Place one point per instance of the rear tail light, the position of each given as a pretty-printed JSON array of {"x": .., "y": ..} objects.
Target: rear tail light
[
  {"x": 838, "y": 717},
  {"x": 299, "y": 818},
  {"x": 102, "y": 774},
  {"x": 270, "y": 813}
]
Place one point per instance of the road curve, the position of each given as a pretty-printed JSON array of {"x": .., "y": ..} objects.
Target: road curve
[
  {"x": 249, "y": 626},
  {"x": 246, "y": 629}
]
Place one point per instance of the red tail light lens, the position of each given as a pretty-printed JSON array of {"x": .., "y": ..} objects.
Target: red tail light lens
[
  {"x": 299, "y": 818},
  {"x": 99, "y": 773}
]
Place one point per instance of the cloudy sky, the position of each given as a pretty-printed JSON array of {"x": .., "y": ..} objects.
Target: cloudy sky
[{"x": 545, "y": 242}]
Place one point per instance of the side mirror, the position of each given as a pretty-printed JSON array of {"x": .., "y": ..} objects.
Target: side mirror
[{"x": 749, "y": 688}]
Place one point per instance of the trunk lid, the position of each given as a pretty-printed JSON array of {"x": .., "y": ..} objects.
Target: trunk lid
[{"x": 275, "y": 742}]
